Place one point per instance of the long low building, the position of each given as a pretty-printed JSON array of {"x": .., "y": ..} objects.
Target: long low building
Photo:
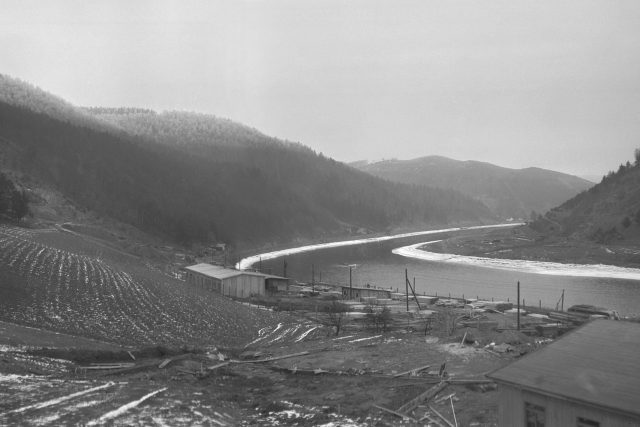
[
  {"x": 234, "y": 283},
  {"x": 356, "y": 292}
]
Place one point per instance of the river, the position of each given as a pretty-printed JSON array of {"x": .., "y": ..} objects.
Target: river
[{"x": 377, "y": 265}]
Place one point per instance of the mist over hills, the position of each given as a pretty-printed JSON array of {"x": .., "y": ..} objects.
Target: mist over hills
[
  {"x": 197, "y": 178},
  {"x": 507, "y": 192}
]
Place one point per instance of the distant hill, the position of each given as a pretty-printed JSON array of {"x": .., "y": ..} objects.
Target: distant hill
[
  {"x": 507, "y": 192},
  {"x": 606, "y": 213},
  {"x": 196, "y": 178}
]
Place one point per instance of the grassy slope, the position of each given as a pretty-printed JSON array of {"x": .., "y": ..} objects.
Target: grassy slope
[{"x": 59, "y": 281}]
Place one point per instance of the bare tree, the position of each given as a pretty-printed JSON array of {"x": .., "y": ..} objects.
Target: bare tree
[{"x": 336, "y": 312}]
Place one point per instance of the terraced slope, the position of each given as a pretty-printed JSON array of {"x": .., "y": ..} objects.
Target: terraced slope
[{"x": 46, "y": 284}]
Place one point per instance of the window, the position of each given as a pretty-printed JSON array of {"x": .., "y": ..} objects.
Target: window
[
  {"x": 585, "y": 422},
  {"x": 533, "y": 415}
]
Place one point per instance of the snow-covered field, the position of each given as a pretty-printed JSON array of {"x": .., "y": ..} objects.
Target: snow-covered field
[
  {"x": 536, "y": 267},
  {"x": 248, "y": 262}
]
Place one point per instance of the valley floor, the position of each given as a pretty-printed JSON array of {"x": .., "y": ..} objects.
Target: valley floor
[{"x": 48, "y": 378}]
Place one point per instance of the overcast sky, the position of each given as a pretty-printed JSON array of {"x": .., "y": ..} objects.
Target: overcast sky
[{"x": 554, "y": 84}]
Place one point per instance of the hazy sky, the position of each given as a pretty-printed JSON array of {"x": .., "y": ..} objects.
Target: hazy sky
[{"x": 554, "y": 84}]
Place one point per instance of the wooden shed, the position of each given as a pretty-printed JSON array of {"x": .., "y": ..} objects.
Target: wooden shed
[
  {"x": 233, "y": 283},
  {"x": 357, "y": 293},
  {"x": 589, "y": 377}
]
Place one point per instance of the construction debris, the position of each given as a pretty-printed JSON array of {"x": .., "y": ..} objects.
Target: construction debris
[
  {"x": 399, "y": 414},
  {"x": 430, "y": 393},
  {"x": 164, "y": 363},
  {"x": 432, "y": 409},
  {"x": 412, "y": 372},
  {"x": 271, "y": 359}
]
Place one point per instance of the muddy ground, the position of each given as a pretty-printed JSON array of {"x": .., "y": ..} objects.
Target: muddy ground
[{"x": 339, "y": 380}]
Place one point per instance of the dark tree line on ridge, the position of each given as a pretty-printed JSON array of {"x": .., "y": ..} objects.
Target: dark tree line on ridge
[
  {"x": 606, "y": 212},
  {"x": 250, "y": 189}
]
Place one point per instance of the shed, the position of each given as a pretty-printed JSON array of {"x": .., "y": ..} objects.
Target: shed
[
  {"x": 589, "y": 377},
  {"x": 234, "y": 283},
  {"x": 358, "y": 293}
]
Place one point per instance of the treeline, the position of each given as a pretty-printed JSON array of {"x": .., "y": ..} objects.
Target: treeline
[
  {"x": 23, "y": 94},
  {"x": 251, "y": 191},
  {"x": 14, "y": 203},
  {"x": 606, "y": 212},
  {"x": 180, "y": 128}
]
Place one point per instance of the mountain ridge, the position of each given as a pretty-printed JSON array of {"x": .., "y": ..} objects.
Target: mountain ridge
[
  {"x": 220, "y": 181},
  {"x": 508, "y": 192}
]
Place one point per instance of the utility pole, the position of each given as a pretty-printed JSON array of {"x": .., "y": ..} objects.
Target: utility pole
[
  {"x": 518, "y": 305},
  {"x": 260, "y": 268},
  {"x": 350, "y": 290},
  {"x": 406, "y": 285},
  {"x": 313, "y": 278},
  {"x": 284, "y": 268},
  {"x": 562, "y": 301}
]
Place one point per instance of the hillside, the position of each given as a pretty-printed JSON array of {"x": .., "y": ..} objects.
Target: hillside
[
  {"x": 609, "y": 212},
  {"x": 192, "y": 178},
  {"x": 507, "y": 192},
  {"x": 63, "y": 282},
  {"x": 598, "y": 226}
]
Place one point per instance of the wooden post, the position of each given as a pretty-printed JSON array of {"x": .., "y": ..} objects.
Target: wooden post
[
  {"x": 350, "y": 289},
  {"x": 284, "y": 268},
  {"x": 406, "y": 285},
  {"x": 413, "y": 291},
  {"x": 518, "y": 305},
  {"x": 562, "y": 303},
  {"x": 313, "y": 279}
]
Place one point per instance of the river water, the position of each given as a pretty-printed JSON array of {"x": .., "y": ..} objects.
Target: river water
[{"x": 378, "y": 266}]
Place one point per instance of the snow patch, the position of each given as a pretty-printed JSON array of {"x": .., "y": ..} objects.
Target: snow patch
[{"x": 535, "y": 267}]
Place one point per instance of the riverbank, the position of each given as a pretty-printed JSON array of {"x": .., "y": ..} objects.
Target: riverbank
[
  {"x": 522, "y": 243},
  {"x": 251, "y": 260}
]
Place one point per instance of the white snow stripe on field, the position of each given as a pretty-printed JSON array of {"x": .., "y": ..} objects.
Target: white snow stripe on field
[
  {"x": 282, "y": 335},
  {"x": 248, "y": 262},
  {"x": 124, "y": 408},
  {"x": 367, "y": 338},
  {"x": 344, "y": 338},
  {"x": 262, "y": 335},
  {"x": 58, "y": 399},
  {"x": 525, "y": 266},
  {"x": 277, "y": 327},
  {"x": 301, "y": 337}
]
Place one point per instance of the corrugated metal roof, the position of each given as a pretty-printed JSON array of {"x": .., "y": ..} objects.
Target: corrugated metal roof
[
  {"x": 219, "y": 272},
  {"x": 598, "y": 364}
]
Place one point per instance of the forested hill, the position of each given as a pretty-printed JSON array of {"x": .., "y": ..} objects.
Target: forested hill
[
  {"x": 22, "y": 94},
  {"x": 180, "y": 128},
  {"x": 609, "y": 212},
  {"x": 507, "y": 192},
  {"x": 248, "y": 190}
]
